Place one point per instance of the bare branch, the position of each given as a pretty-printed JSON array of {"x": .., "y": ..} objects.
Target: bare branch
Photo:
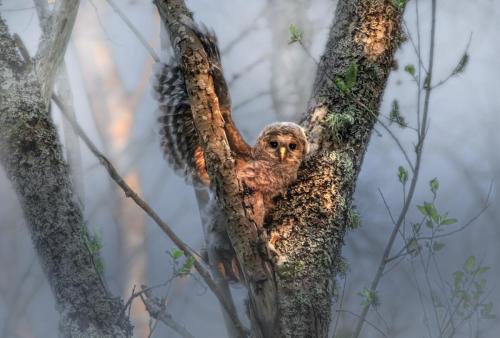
[
  {"x": 247, "y": 69},
  {"x": 158, "y": 311},
  {"x": 134, "y": 30},
  {"x": 150, "y": 212},
  {"x": 413, "y": 183},
  {"x": 53, "y": 42}
]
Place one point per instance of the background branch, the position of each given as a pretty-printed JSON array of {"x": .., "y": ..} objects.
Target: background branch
[
  {"x": 150, "y": 212},
  {"x": 53, "y": 42}
]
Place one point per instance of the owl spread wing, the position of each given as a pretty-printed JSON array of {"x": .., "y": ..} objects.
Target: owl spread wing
[{"x": 179, "y": 139}]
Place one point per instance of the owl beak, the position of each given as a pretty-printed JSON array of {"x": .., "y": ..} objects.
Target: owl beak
[{"x": 282, "y": 153}]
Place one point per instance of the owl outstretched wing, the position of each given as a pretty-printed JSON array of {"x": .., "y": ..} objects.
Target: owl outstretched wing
[{"x": 179, "y": 139}]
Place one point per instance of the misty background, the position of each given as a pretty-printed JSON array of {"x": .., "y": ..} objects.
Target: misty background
[{"x": 109, "y": 72}]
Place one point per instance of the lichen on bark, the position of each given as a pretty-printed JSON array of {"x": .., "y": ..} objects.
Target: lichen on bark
[
  {"x": 310, "y": 221},
  {"x": 32, "y": 158}
]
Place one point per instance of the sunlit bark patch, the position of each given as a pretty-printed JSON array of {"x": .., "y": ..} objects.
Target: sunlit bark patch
[{"x": 376, "y": 28}]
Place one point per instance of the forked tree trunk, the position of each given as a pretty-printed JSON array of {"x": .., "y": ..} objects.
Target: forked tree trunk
[
  {"x": 295, "y": 297},
  {"x": 289, "y": 299}
]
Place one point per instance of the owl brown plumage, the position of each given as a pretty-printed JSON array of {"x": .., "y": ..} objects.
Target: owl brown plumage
[
  {"x": 179, "y": 139},
  {"x": 265, "y": 170},
  {"x": 276, "y": 157}
]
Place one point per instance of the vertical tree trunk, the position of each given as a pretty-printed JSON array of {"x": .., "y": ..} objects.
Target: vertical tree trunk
[
  {"x": 312, "y": 220},
  {"x": 32, "y": 157}
]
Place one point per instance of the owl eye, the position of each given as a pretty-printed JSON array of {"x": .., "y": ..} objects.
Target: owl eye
[
  {"x": 273, "y": 144},
  {"x": 292, "y": 146}
]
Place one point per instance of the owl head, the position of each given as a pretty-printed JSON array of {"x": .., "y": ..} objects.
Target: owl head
[{"x": 283, "y": 142}]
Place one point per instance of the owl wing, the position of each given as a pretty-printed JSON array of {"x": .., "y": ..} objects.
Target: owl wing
[{"x": 179, "y": 139}]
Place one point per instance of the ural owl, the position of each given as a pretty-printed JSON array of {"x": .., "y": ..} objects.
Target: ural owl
[{"x": 265, "y": 170}]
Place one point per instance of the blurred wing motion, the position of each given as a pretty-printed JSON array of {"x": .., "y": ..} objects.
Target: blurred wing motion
[{"x": 179, "y": 139}]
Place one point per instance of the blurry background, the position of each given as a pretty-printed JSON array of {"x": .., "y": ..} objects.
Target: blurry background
[{"x": 109, "y": 73}]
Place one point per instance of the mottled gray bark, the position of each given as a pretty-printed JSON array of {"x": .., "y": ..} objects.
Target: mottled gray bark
[
  {"x": 312, "y": 220},
  {"x": 292, "y": 296},
  {"x": 32, "y": 158}
]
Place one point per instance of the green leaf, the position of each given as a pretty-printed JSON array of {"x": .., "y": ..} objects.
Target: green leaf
[
  {"x": 435, "y": 215},
  {"x": 448, "y": 221},
  {"x": 469, "y": 264},
  {"x": 432, "y": 212},
  {"x": 399, "y": 3},
  {"x": 346, "y": 83},
  {"x": 354, "y": 218},
  {"x": 416, "y": 228},
  {"x": 429, "y": 210},
  {"x": 395, "y": 115},
  {"x": 176, "y": 253},
  {"x": 93, "y": 242},
  {"x": 423, "y": 210},
  {"x": 460, "y": 68},
  {"x": 457, "y": 279},
  {"x": 402, "y": 174},
  {"x": 294, "y": 34},
  {"x": 429, "y": 224},
  {"x": 482, "y": 269},
  {"x": 413, "y": 248},
  {"x": 486, "y": 311},
  {"x": 351, "y": 75},
  {"x": 437, "y": 246},
  {"x": 410, "y": 69},
  {"x": 434, "y": 185},
  {"x": 341, "y": 85},
  {"x": 187, "y": 266},
  {"x": 369, "y": 297}
]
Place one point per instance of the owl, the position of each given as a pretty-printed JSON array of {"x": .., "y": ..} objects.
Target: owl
[{"x": 265, "y": 170}]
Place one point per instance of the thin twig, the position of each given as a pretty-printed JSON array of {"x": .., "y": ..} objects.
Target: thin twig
[
  {"x": 134, "y": 30},
  {"x": 251, "y": 98},
  {"x": 388, "y": 130},
  {"x": 251, "y": 66},
  {"x": 157, "y": 309},
  {"x": 454, "y": 72},
  {"x": 413, "y": 184},
  {"x": 365, "y": 320},
  {"x": 244, "y": 32},
  {"x": 53, "y": 42},
  {"x": 415, "y": 47},
  {"x": 340, "y": 306},
  {"x": 188, "y": 252}
]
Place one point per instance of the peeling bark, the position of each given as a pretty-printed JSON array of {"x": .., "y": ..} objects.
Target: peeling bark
[
  {"x": 33, "y": 160},
  {"x": 292, "y": 296}
]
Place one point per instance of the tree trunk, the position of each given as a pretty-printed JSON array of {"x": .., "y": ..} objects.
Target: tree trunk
[
  {"x": 312, "y": 220},
  {"x": 32, "y": 157},
  {"x": 292, "y": 296}
]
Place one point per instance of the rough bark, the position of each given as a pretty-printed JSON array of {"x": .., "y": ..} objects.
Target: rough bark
[
  {"x": 244, "y": 229},
  {"x": 32, "y": 157},
  {"x": 311, "y": 221},
  {"x": 292, "y": 296}
]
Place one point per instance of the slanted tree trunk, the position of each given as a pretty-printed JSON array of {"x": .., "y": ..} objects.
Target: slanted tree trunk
[
  {"x": 293, "y": 298},
  {"x": 33, "y": 160}
]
